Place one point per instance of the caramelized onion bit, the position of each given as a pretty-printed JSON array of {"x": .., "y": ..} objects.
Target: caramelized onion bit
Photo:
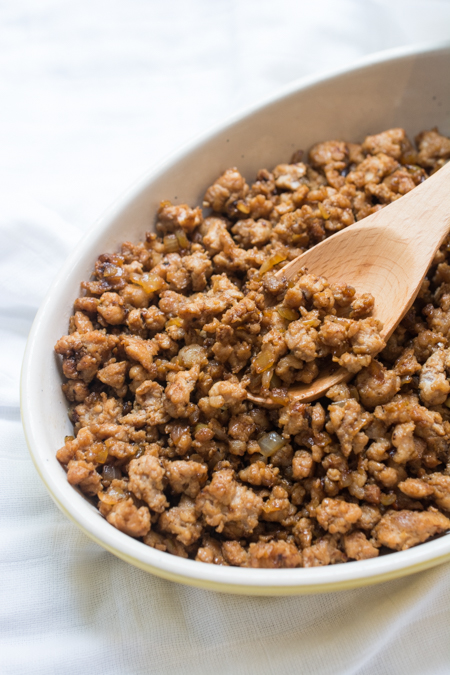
[
  {"x": 271, "y": 262},
  {"x": 113, "y": 496},
  {"x": 300, "y": 240},
  {"x": 263, "y": 362},
  {"x": 287, "y": 313},
  {"x": 323, "y": 212},
  {"x": 150, "y": 281},
  {"x": 270, "y": 443},
  {"x": 267, "y": 378},
  {"x": 311, "y": 323},
  {"x": 176, "y": 321},
  {"x": 275, "y": 382},
  {"x": 110, "y": 270},
  {"x": 243, "y": 208},
  {"x": 97, "y": 452},
  {"x": 171, "y": 244},
  {"x": 111, "y": 472},
  {"x": 182, "y": 239}
]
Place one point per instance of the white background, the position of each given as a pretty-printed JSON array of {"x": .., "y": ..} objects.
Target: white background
[{"x": 92, "y": 93}]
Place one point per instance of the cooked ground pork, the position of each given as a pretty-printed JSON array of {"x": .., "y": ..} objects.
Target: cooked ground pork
[{"x": 171, "y": 334}]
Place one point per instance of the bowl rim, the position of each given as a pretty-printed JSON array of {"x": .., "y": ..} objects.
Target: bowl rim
[{"x": 214, "y": 577}]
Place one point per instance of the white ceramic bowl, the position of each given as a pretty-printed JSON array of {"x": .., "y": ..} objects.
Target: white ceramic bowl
[{"x": 406, "y": 87}]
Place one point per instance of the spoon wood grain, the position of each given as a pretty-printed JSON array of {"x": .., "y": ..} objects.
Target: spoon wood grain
[{"x": 386, "y": 254}]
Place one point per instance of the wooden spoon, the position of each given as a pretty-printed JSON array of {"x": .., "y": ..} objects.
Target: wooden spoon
[{"x": 386, "y": 254}]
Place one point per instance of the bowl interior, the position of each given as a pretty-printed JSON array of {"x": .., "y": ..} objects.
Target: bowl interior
[{"x": 409, "y": 89}]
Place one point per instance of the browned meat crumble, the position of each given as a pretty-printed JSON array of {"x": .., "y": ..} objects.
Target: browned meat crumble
[{"x": 171, "y": 334}]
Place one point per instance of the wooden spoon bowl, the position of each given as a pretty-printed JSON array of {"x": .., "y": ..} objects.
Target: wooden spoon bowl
[{"x": 387, "y": 254}]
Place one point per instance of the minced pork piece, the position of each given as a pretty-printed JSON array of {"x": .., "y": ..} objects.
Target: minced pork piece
[
  {"x": 129, "y": 519},
  {"x": 170, "y": 336},
  {"x": 402, "y": 529}
]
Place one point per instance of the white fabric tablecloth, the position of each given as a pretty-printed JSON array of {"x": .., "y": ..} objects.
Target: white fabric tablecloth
[{"x": 92, "y": 93}]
